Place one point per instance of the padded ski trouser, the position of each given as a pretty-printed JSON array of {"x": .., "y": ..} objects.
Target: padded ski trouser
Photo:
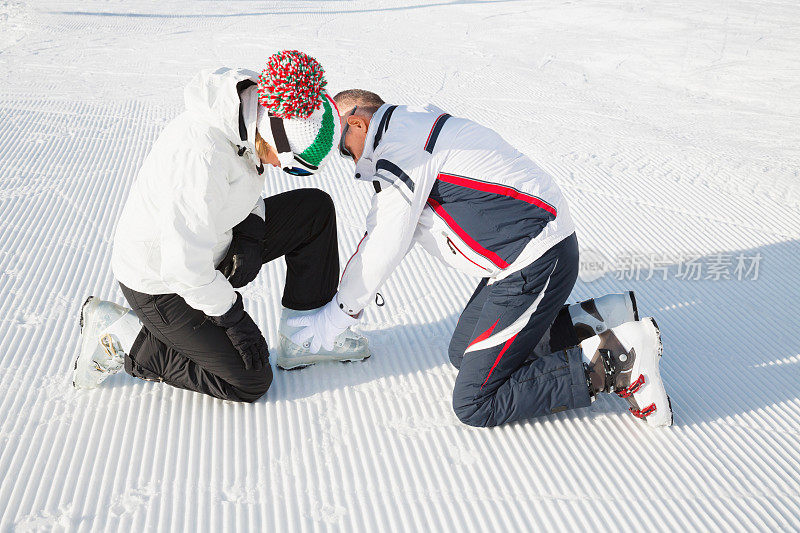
[
  {"x": 301, "y": 227},
  {"x": 498, "y": 381},
  {"x": 559, "y": 336},
  {"x": 179, "y": 346}
]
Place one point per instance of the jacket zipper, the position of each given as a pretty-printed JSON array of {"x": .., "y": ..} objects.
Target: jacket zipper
[{"x": 456, "y": 251}]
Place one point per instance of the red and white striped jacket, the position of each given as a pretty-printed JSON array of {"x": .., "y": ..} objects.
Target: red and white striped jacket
[{"x": 456, "y": 187}]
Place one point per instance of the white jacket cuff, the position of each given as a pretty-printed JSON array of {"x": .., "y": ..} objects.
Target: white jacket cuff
[
  {"x": 213, "y": 299},
  {"x": 260, "y": 209}
]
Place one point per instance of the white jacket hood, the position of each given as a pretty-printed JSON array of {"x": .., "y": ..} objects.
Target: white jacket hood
[
  {"x": 199, "y": 180},
  {"x": 228, "y": 100}
]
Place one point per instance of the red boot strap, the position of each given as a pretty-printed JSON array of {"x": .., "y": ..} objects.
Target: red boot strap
[
  {"x": 632, "y": 388},
  {"x": 643, "y": 413}
]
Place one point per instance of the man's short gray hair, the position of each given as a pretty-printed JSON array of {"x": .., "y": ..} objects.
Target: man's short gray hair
[{"x": 367, "y": 102}]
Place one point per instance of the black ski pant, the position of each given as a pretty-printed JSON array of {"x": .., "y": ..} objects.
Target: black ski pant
[
  {"x": 499, "y": 380},
  {"x": 179, "y": 346}
]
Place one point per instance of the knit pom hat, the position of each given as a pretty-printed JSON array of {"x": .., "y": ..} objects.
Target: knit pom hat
[{"x": 294, "y": 107}]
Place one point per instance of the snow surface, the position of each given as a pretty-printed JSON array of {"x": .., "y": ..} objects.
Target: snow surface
[{"x": 673, "y": 128}]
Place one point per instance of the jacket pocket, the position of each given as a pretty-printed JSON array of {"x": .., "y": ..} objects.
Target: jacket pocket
[
  {"x": 461, "y": 260},
  {"x": 535, "y": 275}
]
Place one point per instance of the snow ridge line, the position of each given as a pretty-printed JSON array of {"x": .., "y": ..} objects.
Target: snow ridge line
[{"x": 370, "y": 446}]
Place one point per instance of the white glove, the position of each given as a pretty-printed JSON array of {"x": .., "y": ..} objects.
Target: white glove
[{"x": 322, "y": 327}]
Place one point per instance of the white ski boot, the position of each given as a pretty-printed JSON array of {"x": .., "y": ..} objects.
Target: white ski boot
[
  {"x": 631, "y": 354},
  {"x": 348, "y": 346},
  {"x": 600, "y": 314},
  {"x": 107, "y": 334},
  {"x": 595, "y": 316}
]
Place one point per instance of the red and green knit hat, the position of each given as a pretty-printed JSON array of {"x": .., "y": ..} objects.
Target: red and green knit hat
[{"x": 292, "y": 88}]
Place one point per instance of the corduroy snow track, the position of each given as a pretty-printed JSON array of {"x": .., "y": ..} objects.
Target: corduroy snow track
[{"x": 670, "y": 126}]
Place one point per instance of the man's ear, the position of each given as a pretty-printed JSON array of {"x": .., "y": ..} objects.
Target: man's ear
[{"x": 358, "y": 122}]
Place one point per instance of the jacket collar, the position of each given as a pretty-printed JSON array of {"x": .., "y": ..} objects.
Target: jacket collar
[
  {"x": 244, "y": 134},
  {"x": 378, "y": 125},
  {"x": 247, "y": 121}
]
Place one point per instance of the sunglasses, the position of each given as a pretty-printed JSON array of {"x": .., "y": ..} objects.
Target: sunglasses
[{"x": 343, "y": 151}]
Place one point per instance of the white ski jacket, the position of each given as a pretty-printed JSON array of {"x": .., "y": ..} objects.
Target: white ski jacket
[
  {"x": 192, "y": 189},
  {"x": 457, "y": 188}
]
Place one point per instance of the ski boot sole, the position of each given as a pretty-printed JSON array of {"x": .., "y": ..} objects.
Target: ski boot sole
[
  {"x": 82, "y": 322},
  {"x": 301, "y": 365},
  {"x": 83, "y": 308},
  {"x": 83, "y": 325},
  {"x": 635, "y": 307},
  {"x": 660, "y": 354}
]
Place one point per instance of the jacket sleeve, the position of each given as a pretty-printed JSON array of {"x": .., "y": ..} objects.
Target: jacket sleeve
[
  {"x": 188, "y": 237},
  {"x": 391, "y": 224},
  {"x": 260, "y": 209}
]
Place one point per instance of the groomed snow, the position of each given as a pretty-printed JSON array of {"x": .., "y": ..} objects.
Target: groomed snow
[{"x": 671, "y": 125}]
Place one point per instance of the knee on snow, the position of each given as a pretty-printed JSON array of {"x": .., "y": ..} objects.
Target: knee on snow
[
  {"x": 472, "y": 414},
  {"x": 249, "y": 390}
]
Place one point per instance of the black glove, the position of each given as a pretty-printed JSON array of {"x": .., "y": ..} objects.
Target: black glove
[
  {"x": 243, "y": 260},
  {"x": 244, "y": 335}
]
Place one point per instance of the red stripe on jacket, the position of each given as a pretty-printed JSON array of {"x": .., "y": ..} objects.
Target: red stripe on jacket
[
  {"x": 472, "y": 243},
  {"x": 352, "y": 256},
  {"x": 497, "y": 189},
  {"x": 450, "y": 241},
  {"x": 433, "y": 128}
]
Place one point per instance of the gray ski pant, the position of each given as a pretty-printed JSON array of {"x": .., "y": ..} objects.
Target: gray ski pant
[{"x": 499, "y": 380}]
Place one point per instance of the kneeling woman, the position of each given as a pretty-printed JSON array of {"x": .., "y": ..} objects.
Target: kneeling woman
[{"x": 195, "y": 227}]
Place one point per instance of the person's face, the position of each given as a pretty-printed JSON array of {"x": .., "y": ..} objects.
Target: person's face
[
  {"x": 354, "y": 134},
  {"x": 266, "y": 153},
  {"x": 270, "y": 157}
]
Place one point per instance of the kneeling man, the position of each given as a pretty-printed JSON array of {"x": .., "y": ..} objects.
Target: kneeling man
[{"x": 476, "y": 203}]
